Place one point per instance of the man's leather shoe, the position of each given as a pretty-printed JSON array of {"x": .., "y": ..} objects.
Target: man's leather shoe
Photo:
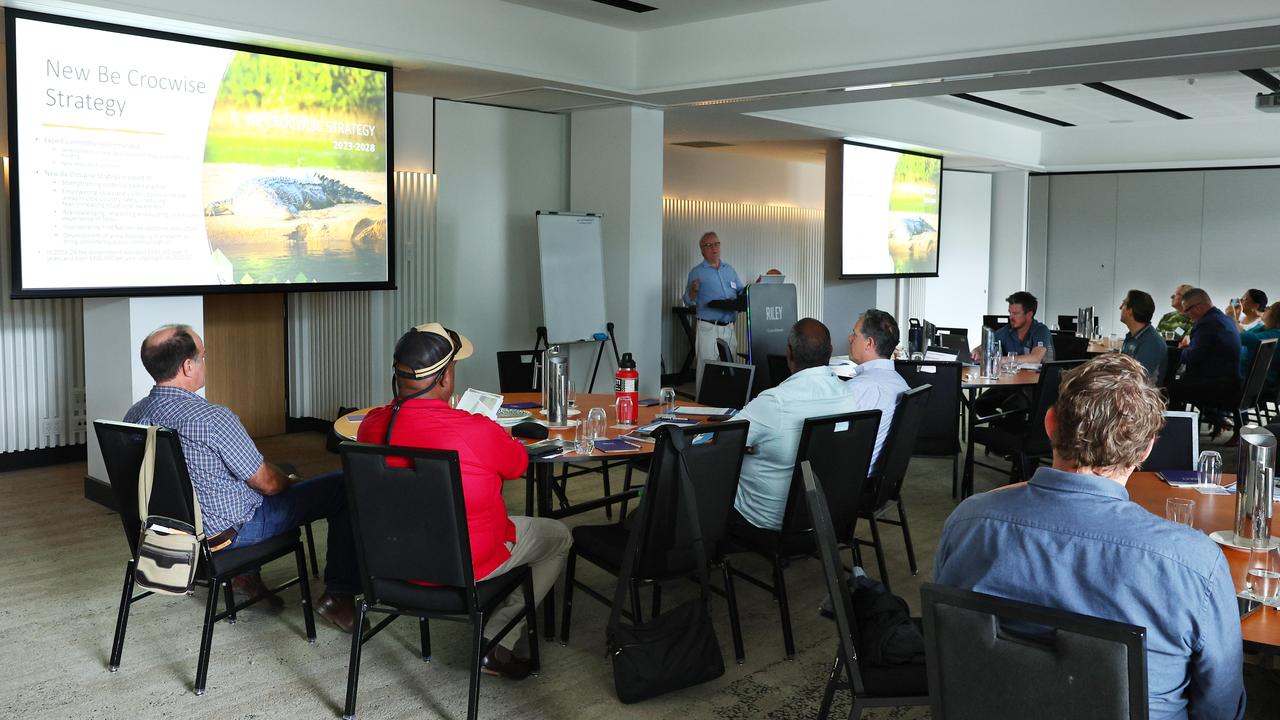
[
  {"x": 248, "y": 586},
  {"x": 339, "y": 610},
  {"x": 502, "y": 662}
]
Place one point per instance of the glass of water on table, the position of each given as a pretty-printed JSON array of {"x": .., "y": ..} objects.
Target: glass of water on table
[
  {"x": 667, "y": 400},
  {"x": 1262, "y": 575}
]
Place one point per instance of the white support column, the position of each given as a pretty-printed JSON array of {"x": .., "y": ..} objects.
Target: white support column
[
  {"x": 615, "y": 168},
  {"x": 114, "y": 378}
]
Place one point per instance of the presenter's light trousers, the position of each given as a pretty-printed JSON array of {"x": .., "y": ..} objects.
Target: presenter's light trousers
[{"x": 707, "y": 334}]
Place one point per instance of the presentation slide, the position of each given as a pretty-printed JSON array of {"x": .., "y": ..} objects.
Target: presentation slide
[
  {"x": 891, "y": 211},
  {"x": 144, "y": 163}
]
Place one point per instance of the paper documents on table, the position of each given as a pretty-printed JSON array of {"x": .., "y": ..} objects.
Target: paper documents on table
[
  {"x": 686, "y": 410},
  {"x": 479, "y": 402},
  {"x": 1033, "y": 367}
]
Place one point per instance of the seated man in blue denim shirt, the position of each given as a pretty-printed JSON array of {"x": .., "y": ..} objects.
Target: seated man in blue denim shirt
[
  {"x": 1031, "y": 342},
  {"x": 1071, "y": 539}
]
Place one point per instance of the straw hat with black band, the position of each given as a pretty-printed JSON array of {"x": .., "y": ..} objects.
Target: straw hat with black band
[{"x": 420, "y": 353}]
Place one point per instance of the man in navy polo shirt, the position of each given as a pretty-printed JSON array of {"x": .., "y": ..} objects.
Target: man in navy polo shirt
[{"x": 1210, "y": 357}]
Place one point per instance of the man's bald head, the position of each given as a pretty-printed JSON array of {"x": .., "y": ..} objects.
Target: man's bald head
[
  {"x": 808, "y": 345},
  {"x": 167, "y": 348}
]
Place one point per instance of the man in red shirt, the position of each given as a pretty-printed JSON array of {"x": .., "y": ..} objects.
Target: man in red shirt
[{"x": 420, "y": 416}]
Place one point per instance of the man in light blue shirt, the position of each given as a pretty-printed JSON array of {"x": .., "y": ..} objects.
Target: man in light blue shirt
[
  {"x": 712, "y": 281},
  {"x": 1071, "y": 539},
  {"x": 876, "y": 384},
  {"x": 777, "y": 417}
]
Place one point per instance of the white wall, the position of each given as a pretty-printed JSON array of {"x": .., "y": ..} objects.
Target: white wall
[
  {"x": 958, "y": 296},
  {"x": 495, "y": 168},
  {"x": 1109, "y": 232},
  {"x": 1008, "y": 253},
  {"x": 725, "y": 176}
]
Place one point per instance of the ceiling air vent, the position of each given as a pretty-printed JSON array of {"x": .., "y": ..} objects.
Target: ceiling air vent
[
  {"x": 634, "y": 7},
  {"x": 703, "y": 144}
]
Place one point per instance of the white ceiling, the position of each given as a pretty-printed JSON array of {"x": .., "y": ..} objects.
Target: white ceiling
[{"x": 669, "y": 13}]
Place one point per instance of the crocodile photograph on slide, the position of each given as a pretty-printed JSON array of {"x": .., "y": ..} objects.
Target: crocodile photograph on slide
[{"x": 292, "y": 178}]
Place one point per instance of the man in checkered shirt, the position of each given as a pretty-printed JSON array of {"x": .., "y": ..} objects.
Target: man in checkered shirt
[{"x": 240, "y": 494}]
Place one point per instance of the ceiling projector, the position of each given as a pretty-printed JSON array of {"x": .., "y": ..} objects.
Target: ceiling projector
[{"x": 1268, "y": 102}]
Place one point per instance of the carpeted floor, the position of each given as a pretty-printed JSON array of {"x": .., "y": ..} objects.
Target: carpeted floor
[{"x": 60, "y": 583}]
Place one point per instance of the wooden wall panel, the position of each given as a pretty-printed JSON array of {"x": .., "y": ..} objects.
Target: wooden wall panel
[{"x": 244, "y": 338}]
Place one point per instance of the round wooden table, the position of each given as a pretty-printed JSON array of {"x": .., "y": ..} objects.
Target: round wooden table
[{"x": 1261, "y": 630}]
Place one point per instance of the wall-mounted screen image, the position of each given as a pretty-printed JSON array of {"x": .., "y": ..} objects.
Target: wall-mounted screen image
[
  {"x": 892, "y": 204},
  {"x": 150, "y": 163}
]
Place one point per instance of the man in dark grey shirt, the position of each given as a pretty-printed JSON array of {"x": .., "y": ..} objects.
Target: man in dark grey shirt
[{"x": 1143, "y": 343}]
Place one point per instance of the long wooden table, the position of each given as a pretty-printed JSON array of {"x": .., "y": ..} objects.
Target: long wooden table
[
  {"x": 971, "y": 381},
  {"x": 1261, "y": 630}
]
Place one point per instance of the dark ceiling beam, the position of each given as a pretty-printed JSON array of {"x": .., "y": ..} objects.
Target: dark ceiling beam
[
  {"x": 1142, "y": 102},
  {"x": 1012, "y": 109},
  {"x": 1266, "y": 79},
  {"x": 634, "y": 7}
]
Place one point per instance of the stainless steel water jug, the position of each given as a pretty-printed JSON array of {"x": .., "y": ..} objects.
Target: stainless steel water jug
[
  {"x": 555, "y": 365},
  {"x": 1255, "y": 472}
]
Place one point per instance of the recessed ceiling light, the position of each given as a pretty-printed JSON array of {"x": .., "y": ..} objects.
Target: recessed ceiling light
[{"x": 1030, "y": 92}]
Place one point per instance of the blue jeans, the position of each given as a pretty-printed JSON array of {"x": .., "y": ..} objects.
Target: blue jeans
[{"x": 323, "y": 496}]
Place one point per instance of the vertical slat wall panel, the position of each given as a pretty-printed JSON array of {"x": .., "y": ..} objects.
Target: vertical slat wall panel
[
  {"x": 41, "y": 362},
  {"x": 754, "y": 239},
  {"x": 340, "y": 343}
]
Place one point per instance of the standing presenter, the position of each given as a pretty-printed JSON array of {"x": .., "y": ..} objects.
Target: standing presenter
[{"x": 713, "y": 288}]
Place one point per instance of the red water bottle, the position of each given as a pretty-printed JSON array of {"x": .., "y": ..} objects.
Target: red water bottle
[{"x": 626, "y": 383}]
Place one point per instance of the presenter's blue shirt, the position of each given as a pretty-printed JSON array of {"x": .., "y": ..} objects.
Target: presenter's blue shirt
[
  {"x": 1214, "y": 349},
  {"x": 1147, "y": 347},
  {"x": 720, "y": 283},
  {"x": 1037, "y": 334},
  {"x": 1076, "y": 542}
]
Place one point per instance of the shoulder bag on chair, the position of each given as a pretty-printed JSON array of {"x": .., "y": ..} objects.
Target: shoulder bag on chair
[
  {"x": 677, "y": 649},
  {"x": 169, "y": 549}
]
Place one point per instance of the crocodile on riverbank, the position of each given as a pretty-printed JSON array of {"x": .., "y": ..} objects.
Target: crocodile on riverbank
[{"x": 285, "y": 197}]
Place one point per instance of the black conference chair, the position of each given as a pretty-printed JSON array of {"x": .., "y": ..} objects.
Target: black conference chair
[
  {"x": 1255, "y": 379},
  {"x": 940, "y": 430},
  {"x": 663, "y": 549},
  {"x": 1084, "y": 667},
  {"x": 723, "y": 351},
  {"x": 953, "y": 343},
  {"x": 995, "y": 322},
  {"x": 1068, "y": 346},
  {"x": 1017, "y": 434},
  {"x": 410, "y": 526},
  {"x": 839, "y": 447},
  {"x": 172, "y": 496},
  {"x": 1177, "y": 446},
  {"x": 726, "y": 385},
  {"x": 884, "y": 490},
  {"x": 1172, "y": 359},
  {"x": 870, "y": 686},
  {"x": 519, "y": 370},
  {"x": 954, "y": 332},
  {"x": 779, "y": 370},
  {"x": 1067, "y": 323}
]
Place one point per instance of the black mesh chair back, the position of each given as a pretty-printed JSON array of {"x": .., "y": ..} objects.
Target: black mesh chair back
[
  {"x": 839, "y": 447},
  {"x": 952, "y": 333},
  {"x": 1067, "y": 323},
  {"x": 726, "y": 385},
  {"x": 410, "y": 523},
  {"x": 899, "y": 446},
  {"x": 953, "y": 343},
  {"x": 995, "y": 322},
  {"x": 1251, "y": 390},
  {"x": 967, "y": 646},
  {"x": 779, "y": 370},
  {"x": 518, "y": 370},
  {"x": 714, "y": 465},
  {"x": 1035, "y": 441},
  {"x": 1177, "y": 446},
  {"x": 1173, "y": 358},
  {"x": 123, "y": 445},
  {"x": 1068, "y": 346},
  {"x": 939, "y": 432}
]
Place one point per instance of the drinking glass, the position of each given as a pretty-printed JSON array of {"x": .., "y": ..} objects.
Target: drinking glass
[
  {"x": 624, "y": 410},
  {"x": 584, "y": 441},
  {"x": 1262, "y": 575},
  {"x": 1180, "y": 510},
  {"x": 1209, "y": 468},
  {"x": 597, "y": 423},
  {"x": 1010, "y": 362},
  {"x": 1113, "y": 342},
  {"x": 667, "y": 400},
  {"x": 573, "y": 403}
]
